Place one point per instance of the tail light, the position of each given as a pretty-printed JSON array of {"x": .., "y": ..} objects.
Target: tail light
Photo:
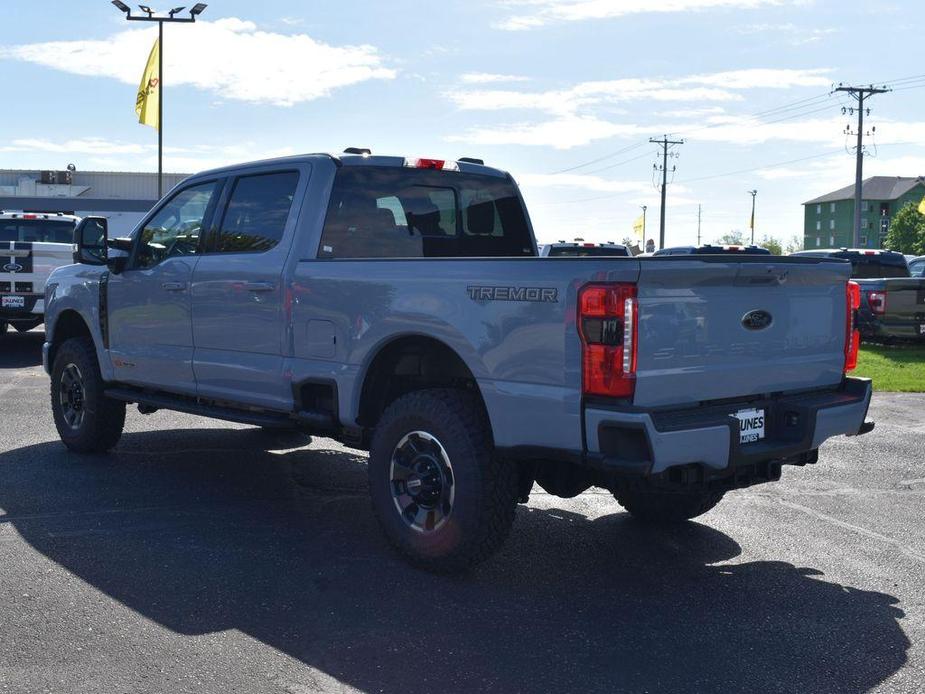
[
  {"x": 607, "y": 322},
  {"x": 877, "y": 302},
  {"x": 852, "y": 334}
]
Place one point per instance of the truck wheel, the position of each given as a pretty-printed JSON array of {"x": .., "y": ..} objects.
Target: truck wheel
[
  {"x": 441, "y": 495},
  {"x": 87, "y": 421},
  {"x": 667, "y": 507}
]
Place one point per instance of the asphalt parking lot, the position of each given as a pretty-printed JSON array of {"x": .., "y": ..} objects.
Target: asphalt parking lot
[{"x": 204, "y": 557}]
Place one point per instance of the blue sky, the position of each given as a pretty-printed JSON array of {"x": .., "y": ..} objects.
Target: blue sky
[{"x": 541, "y": 88}]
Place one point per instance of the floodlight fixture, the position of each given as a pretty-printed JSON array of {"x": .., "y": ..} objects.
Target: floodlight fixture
[
  {"x": 122, "y": 7},
  {"x": 147, "y": 10},
  {"x": 198, "y": 8},
  {"x": 175, "y": 10}
]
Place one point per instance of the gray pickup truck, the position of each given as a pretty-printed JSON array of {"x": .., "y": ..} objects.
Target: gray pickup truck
[
  {"x": 892, "y": 297},
  {"x": 399, "y": 305}
]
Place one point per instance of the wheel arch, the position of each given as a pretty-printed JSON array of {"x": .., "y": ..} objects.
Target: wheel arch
[
  {"x": 68, "y": 323},
  {"x": 409, "y": 362}
]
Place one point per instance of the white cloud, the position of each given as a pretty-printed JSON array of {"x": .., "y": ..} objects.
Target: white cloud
[
  {"x": 85, "y": 145},
  {"x": 585, "y": 182},
  {"x": 536, "y": 13},
  {"x": 99, "y": 153},
  {"x": 792, "y": 34},
  {"x": 490, "y": 77},
  {"x": 562, "y": 133},
  {"x": 230, "y": 57},
  {"x": 578, "y": 118}
]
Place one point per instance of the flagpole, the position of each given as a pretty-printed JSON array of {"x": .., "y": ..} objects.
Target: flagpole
[{"x": 160, "y": 110}]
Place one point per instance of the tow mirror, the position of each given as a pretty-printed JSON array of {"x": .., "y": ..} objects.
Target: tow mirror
[{"x": 90, "y": 241}]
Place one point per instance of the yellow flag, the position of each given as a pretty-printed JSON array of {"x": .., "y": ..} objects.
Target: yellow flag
[
  {"x": 149, "y": 92},
  {"x": 922, "y": 206},
  {"x": 639, "y": 225}
]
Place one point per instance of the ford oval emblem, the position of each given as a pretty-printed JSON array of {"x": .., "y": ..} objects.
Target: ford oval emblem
[
  {"x": 12, "y": 267},
  {"x": 757, "y": 320}
]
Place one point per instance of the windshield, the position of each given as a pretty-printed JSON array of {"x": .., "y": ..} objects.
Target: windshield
[
  {"x": 583, "y": 251},
  {"x": 44, "y": 230}
]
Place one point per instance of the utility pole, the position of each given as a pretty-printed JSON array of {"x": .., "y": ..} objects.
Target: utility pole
[
  {"x": 699, "y": 208},
  {"x": 753, "y": 193},
  {"x": 665, "y": 144},
  {"x": 860, "y": 94},
  {"x": 194, "y": 12}
]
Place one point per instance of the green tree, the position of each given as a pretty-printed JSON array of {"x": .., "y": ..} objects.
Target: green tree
[
  {"x": 907, "y": 231},
  {"x": 733, "y": 238},
  {"x": 772, "y": 245},
  {"x": 793, "y": 245}
]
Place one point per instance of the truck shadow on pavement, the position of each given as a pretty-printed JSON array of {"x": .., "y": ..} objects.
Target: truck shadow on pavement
[
  {"x": 21, "y": 349},
  {"x": 204, "y": 530}
]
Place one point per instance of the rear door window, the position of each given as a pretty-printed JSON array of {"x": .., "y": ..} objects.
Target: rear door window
[
  {"x": 390, "y": 212},
  {"x": 257, "y": 211}
]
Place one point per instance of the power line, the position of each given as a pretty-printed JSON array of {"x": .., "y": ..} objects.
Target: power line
[{"x": 600, "y": 159}]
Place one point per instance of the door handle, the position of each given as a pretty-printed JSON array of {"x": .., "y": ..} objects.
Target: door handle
[
  {"x": 259, "y": 286},
  {"x": 174, "y": 286}
]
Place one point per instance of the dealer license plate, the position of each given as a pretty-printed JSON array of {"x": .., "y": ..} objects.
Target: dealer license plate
[
  {"x": 751, "y": 425},
  {"x": 13, "y": 302}
]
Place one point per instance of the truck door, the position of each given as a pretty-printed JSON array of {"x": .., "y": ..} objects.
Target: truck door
[
  {"x": 150, "y": 330},
  {"x": 240, "y": 327}
]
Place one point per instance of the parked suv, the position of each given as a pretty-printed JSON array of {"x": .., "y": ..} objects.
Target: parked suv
[
  {"x": 398, "y": 305},
  {"x": 32, "y": 244}
]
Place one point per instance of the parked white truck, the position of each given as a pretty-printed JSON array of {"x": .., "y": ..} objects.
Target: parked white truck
[{"x": 32, "y": 244}]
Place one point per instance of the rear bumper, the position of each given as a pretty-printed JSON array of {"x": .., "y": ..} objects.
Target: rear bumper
[
  {"x": 652, "y": 442},
  {"x": 887, "y": 327}
]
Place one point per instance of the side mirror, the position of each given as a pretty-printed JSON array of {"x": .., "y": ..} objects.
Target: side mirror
[{"x": 90, "y": 241}]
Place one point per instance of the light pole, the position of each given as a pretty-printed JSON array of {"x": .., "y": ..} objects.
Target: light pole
[
  {"x": 753, "y": 193},
  {"x": 195, "y": 11},
  {"x": 644, "y": 208}
]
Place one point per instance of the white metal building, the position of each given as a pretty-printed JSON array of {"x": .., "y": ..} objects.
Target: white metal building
[{"x": 123, "y": 197}]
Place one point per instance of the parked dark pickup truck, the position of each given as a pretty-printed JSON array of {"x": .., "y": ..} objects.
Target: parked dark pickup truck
[{"x": 892, "y": 299}]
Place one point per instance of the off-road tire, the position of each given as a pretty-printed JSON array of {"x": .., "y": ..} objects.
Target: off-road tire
[
  {"x": 485, "y": 487},
  {"x": 103, "y": 418},
  {"x": 667, "y": 507}
]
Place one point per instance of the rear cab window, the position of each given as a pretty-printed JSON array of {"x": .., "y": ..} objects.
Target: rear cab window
[
  {"x": 878, "y": 266},
  {"x": 37, "y": 230},
  {"x": 391, "y": 212}
]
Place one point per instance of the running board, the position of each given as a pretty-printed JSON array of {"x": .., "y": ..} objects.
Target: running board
[{"x": 190, "y": 405}]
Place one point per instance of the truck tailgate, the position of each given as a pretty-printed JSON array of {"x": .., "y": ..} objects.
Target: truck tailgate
[
  {"x": 713, "y": 328},
  {"x": 905, "y": 301}
]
